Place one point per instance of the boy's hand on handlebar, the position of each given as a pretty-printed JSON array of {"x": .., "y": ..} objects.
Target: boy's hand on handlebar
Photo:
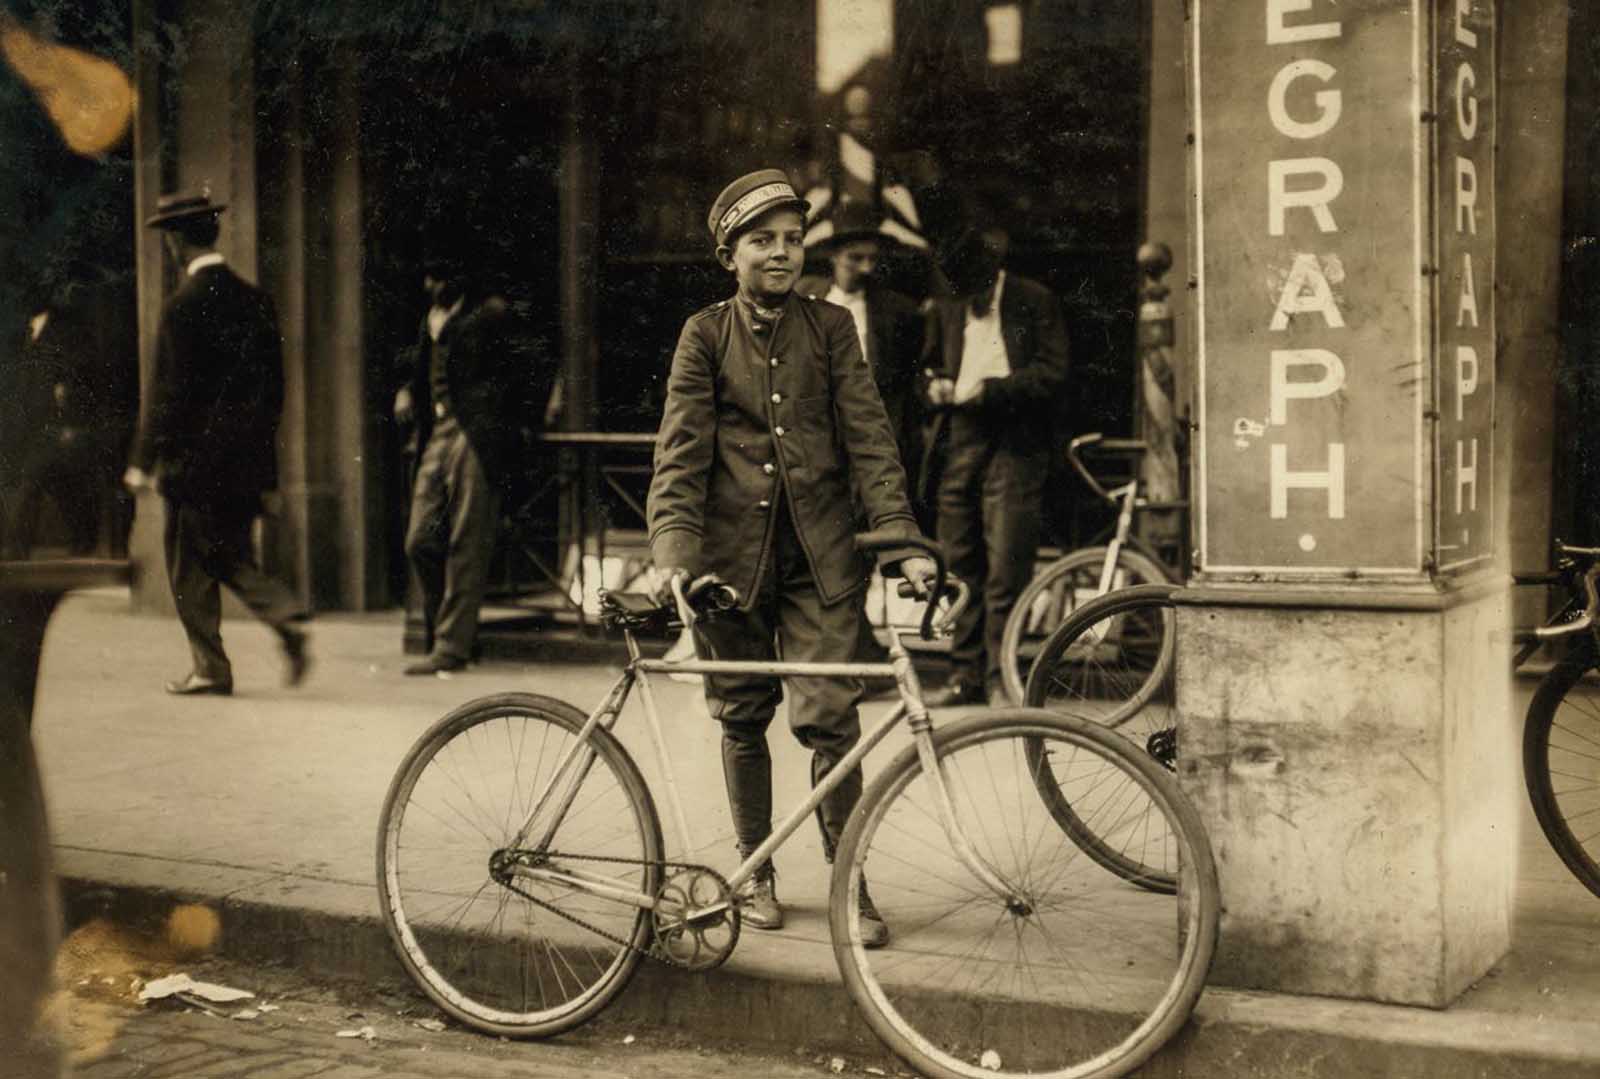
[
  {"x": 920, "y": 572},
  {"x": 661, "y": 578}
]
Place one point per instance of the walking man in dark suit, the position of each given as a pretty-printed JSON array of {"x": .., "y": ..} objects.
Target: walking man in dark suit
[
  {"x": 475, "y": 385},
  {"x": 772, "y": 432},
  {"x": 207, "y": 443},
  {"x": 997, "y": 355}
]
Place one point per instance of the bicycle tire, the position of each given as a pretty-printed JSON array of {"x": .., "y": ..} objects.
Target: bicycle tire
[
  {"x": 1053, "y": 594},
  {"x": 435, "y": 883},
  {"x": 1561, "y": 741},
  {"x": 1113, "y": 661},
  {"x": 1095, "y": 1001}
]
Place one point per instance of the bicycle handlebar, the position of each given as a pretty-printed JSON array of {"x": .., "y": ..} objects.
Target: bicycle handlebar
[
  {"x": 1117, "y": 445},
  {"x": 1591, "y": 607},
  {"x": 960, "y": 594},
  {"x": 873, "y": 542}
]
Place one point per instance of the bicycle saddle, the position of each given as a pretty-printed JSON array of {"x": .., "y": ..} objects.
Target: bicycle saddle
[{"x": 709, "y": 595}]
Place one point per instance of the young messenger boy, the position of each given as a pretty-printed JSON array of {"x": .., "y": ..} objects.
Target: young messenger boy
[{"x": 772, "y": 421}]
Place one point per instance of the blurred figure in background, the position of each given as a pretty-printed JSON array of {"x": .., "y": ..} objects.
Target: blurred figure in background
[
  {"x": 996, "y": 361},
  {"x": 476, "y": 387},
  {"x": 79, "y": 384}
]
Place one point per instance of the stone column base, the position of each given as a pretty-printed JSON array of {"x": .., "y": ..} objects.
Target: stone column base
[{"x": 1358, "y": 771}]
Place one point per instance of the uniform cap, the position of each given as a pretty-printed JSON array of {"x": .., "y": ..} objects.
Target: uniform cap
[{"x": 747, "y": 198}]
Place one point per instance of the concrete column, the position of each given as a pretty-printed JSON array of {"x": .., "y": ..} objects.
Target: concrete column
[{"x": 1343, "y": 676}]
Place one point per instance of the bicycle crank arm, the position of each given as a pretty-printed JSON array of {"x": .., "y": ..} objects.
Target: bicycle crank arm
[{"x": 591, "y": 883}]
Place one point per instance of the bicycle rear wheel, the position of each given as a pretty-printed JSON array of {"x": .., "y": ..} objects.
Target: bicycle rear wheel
[
  {"x": 1113, "y": 661},
  {"x": 1075, "y": 974},
  {"x": 1054, "y": 594},
  {"x": 513, "y": 956},
  {"x": 1561, "y": 764}
]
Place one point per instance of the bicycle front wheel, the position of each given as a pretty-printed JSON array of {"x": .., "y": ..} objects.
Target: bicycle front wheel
[
  {"x": 1057, "y": 592},
  {"x": 1070, "y": 973},
  {"x": 505, "y": 954},
  {"x": 1561, "y": 764},
  {"x": 1113, "y": 661}
]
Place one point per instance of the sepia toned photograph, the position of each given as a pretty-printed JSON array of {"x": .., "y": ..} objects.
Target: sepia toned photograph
[{"x": 717, "y": 538}]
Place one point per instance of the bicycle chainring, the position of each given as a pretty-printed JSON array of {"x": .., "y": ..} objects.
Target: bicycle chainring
[{"x": 696, "y": 942}]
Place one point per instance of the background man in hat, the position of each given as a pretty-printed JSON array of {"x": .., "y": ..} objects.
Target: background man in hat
[
  {"x": 772, "y": 431},
  {"x": 996, "y": 354},
  {"x": 475, "y": 385},
  {"x": 207, "y": 442},
  {"x": 888, "y": 324}
]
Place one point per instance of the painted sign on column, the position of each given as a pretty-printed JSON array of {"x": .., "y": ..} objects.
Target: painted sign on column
[
  {"x": 1464, "y": 163},
  {"x": 1313, "y": 307}
]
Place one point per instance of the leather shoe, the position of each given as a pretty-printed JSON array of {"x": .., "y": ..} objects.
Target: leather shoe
[
  {"x": 955, "y": 695},
  {"x": 295, "y": 658},
  {"x": 436, "y": 665},
  {"x": 195, "y": 686}
]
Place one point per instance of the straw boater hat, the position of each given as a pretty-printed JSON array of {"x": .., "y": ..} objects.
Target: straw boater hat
[{"x": 172, "y": 209}]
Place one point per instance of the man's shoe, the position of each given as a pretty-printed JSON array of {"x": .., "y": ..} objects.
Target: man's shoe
[
  {"x": 195, "y": 686},
  {"x": 758, "y": 904},
  {"x": 295, "y": 658},
  {"x": 874, "y": 934},
  {"x": 955, "y": 695},
  {"x": 437, "y": 665}
]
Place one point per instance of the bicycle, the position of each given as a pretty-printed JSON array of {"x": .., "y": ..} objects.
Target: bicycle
[
  {"x": 1113, "y": 660},
  {"x": 1561, "y": 733},
  {"x": 1121, "y": 561},
  {"x": 521, "y": 899}
]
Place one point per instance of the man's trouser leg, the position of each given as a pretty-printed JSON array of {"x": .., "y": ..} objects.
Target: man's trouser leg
[
  {"x": 471, "y": 517},
  {"x": 822, "y": 711},
  {"x": 744, "y": 704},
  {"x": 1012, "y": 489},
  {"x": 426, "y": 539},
  {"x": 961, "y": 535},
  {"x": 230, "y": 558},
  {"x": 195, "y": 592}
]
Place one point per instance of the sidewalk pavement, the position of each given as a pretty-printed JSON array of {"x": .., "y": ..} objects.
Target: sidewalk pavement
[{"x": 265, "y": 805}]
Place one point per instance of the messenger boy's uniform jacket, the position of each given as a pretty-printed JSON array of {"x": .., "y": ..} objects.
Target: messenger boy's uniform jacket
[{"x": 760, "y": 413}]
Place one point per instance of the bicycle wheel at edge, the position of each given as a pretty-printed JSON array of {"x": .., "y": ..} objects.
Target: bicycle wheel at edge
[
  {"x": 1086, "y": 978},
  {"x": 487, "y": 956},
  {"x": 1053, "y": 595},
  {"x": 1113, "y": 661},
  {"x": 1561, "y": 763}
]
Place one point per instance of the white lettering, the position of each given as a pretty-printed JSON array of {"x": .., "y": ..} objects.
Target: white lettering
[
  {"x": 1466, "y": 101},
  {"x": 1467, "y": 304},
  {"x": 1329, "y": 102},
  {"x": 1466, "y": 378},
  {"x": 1466, "y": 475},
  {"x": 1280, "y": 199},
  {"x": 1281, "y": 391},
  {"x": 1306, "y": 290},
  {"x": 1331, "y": 481},
  {"x": 1463, "y": 35},
  {"x": 1466, "y": 196},
  {"x": 1279, "y": 33}
]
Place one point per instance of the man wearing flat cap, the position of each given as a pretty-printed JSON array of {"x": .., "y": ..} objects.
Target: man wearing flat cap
[
  {"x": 208, "y": 442},
  {"x": 773, "y": 433}
]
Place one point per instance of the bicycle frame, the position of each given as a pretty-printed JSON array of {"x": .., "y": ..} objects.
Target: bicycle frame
[{"x": 571, "y": 770}]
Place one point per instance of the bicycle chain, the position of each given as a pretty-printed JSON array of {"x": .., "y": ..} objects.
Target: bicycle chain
[{"x": 649, "y": 953}]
